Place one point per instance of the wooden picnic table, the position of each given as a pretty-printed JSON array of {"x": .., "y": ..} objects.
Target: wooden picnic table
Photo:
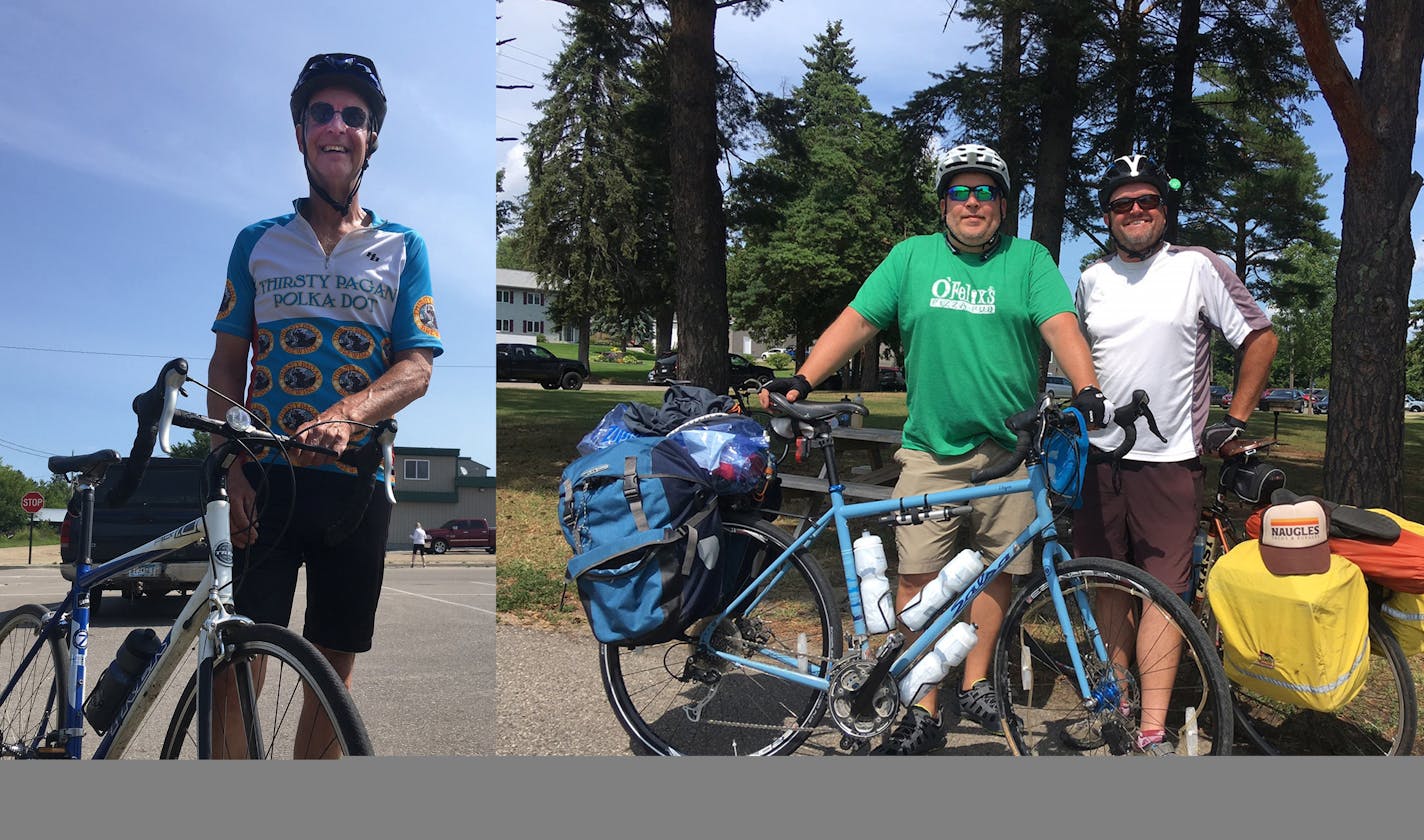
[{"x": 878, "y": 482}]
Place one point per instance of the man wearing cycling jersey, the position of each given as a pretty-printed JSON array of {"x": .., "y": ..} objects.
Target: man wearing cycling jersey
[
  {"x": 1148, "y": 311},
  {"x": 973, "y": 306},
  {"x": 327, "y": 322}
]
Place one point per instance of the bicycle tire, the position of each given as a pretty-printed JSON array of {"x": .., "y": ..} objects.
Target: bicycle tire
[
  {"x": 746, "y": 712},
  {"x": 1038, "y": 690},
  {"x": 1380, "y": 720},
  {"x": 291, "y": 667},
  {"x": 35, "y": 707}
]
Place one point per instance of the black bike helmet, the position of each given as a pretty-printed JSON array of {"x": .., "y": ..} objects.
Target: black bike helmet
[
  {"x": 355, "y": 72},
  {"x": 1135, "y": 169}
]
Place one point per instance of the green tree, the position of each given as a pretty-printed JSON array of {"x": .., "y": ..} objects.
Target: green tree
[
  {"x": 1376, "y": 115},
  {"x": 1305, "y": 289},
  {"x": 819, "y": 210},
  {"x": 577, "y": 225},
  {"x": 198, "y": 447},
  {"x": 1414, "y": 350},
  {"x": 15, "y": 484}
]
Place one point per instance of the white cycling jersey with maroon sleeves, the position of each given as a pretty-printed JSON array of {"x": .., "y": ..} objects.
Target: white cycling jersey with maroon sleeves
[{"x": 1149, "y": 325}]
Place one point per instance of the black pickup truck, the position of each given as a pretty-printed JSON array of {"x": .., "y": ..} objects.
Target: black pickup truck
[{"x": 170, "y": 495}]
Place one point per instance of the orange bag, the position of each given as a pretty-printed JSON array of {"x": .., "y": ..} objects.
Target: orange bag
[{"x": 1396, "y": 565}]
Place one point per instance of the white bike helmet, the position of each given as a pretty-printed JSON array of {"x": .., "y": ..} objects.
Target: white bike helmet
[{"x": 970, "y": 157}]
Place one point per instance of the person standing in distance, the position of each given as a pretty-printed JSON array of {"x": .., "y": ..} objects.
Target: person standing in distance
[
  {"x": 327, "y": 322},
  {"x": 973, "y": 306},
  {"x": 417, "y": 544},
  {"x": 1148, "y": 310}
]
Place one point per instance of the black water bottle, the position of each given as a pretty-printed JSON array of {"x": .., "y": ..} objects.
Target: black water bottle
[{"x": 120, "y": 677}]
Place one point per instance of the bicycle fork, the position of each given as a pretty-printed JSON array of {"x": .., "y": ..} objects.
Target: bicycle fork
[{"x": 1107, "y": 693}]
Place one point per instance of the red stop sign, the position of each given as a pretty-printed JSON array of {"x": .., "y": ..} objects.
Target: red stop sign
[{"x": 32, "y": 502}]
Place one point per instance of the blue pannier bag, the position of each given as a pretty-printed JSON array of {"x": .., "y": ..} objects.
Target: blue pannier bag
[{"x": 643, "y": 522}]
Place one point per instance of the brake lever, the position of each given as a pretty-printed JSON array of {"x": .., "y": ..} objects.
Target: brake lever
[{"x": 1152, "y": 424}]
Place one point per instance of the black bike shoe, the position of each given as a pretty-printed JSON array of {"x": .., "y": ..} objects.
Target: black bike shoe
[
  {"x": 981, "y": 706},
  {"x": 917, "y": 733}
]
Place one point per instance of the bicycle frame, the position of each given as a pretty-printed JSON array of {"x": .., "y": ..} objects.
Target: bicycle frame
[
  {"x": 211, "y": 601},
  {"x": 841, "y": 514}
]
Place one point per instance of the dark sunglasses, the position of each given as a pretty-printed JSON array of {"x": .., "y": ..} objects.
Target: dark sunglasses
[
  {"x": 1151, "y": 201},
  {"x": 984, "y": 192},
  {"x": 322, "y": 112}
]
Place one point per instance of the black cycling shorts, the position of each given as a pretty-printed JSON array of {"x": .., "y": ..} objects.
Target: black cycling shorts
[{"x": 343, "y": 581}]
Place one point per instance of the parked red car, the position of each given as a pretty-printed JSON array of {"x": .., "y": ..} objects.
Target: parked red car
[{"x": 461, "y": 533}]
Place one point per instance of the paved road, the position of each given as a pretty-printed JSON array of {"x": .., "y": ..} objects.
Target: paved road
[
  {"x": 551, "y": 702},
  {"x": 426, "y": 688}
]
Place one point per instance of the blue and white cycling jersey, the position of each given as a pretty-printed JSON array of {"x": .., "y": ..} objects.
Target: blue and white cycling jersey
[{"x": 324, "y": 326}]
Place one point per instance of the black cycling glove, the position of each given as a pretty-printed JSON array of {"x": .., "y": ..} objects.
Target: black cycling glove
[
  {"x": 1091, "y": 403},
  {"x": 1218, "y": 435},
  {"x": 797, "y": 383}
]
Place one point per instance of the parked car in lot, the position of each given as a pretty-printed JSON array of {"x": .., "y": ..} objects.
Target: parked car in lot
[
  {"x": 169, "y": 496},
  {"x": 1226, "y": 399},
  {"x": 1282, "y": 399},
  {"x": 1322, "y": 405},
  {"x": 461, "y": 533},
  {"x": 1412, "y": 404},
  {"x": 891, "y": 379},
  {"x": 532, "y": 363},
  {"x": 1219, "y": 394},
  {"x": 767, "y": 354},
  {"x": 1059, "y": 387},
  {"x": 740, "y": 369}
]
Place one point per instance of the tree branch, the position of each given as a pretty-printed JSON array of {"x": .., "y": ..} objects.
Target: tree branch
[{"x": 1337, "y": 84}]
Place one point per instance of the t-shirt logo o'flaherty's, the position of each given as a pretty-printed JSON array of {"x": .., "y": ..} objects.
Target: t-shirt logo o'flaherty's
[{"x": 956, "y": 294}]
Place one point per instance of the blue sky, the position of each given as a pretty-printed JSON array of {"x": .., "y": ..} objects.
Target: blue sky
[
  {"x": 897, "y": 44},
  {"x": 136, "y": 140}
]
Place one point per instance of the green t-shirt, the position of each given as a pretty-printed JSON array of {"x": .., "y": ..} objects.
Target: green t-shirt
[{"x": 970, "y": 328}]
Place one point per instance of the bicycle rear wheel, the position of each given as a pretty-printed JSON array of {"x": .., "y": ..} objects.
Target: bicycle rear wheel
[
  {"x": 35, "y": 706},
  {"x": 677, "y": 699},
  {"x": 286, "y": 702},
  {"x": 1045, "y": 713},
  {"x": 1380, "y": 720}
]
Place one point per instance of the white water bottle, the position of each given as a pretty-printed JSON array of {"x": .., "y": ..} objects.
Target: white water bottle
[
  {"x": 957, "y": 574},
  {"x": 934, "y": 667},
  {"x": 874, "y": 586}
]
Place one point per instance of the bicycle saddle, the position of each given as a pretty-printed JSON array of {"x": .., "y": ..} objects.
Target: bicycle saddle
[{"x": 1347, "y": 521}]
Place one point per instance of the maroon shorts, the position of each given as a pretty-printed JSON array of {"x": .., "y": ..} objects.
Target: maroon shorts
[{"x": 1149, "y": 519}]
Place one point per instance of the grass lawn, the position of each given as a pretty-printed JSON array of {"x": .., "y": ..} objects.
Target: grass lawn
[
  {"x": 633, "y": 371},
  {"x": 538, "y": 433},
  {"x": 45, "y": 534}
]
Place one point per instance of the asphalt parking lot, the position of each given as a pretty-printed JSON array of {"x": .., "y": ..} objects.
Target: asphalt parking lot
[{"x": 427, "y": 688}]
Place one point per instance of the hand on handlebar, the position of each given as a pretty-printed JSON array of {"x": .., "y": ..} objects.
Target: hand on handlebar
[
  {"x": 331, "y": 430},
  {"x": 1094, "y": 407}
]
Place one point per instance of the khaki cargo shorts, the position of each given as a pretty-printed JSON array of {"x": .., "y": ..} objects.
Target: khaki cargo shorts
[{"x": 992, "y": 527}]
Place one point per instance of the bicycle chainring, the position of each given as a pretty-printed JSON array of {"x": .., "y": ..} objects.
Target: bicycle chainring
[{"x": 846, "y": 678}]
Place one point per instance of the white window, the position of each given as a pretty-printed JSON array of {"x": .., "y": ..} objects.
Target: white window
[
  {"x": 504, "y": 325},
  {"x": 417, "y": 470},
  {"x": 504, "y": 296},
  {"x": 534, "y": 298}
]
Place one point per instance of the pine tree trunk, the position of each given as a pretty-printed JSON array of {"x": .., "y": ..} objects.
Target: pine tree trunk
[
  {"x": 1364, "y": 439},
  {"x": 699, "y": 230}
]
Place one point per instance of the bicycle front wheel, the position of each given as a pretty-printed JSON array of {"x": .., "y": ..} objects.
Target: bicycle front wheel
[
  {"x": 678, "y": 698},
  {"x": 34, "y": 708},
  {"x": 275, "y": 697},
  {"x": 1160, "y": 671},
  {"x": 1380, "y": 720}
]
